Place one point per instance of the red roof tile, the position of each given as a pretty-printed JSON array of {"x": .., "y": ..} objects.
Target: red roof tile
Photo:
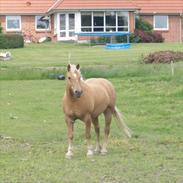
[
  {"x": 24, "y": 6},
  {"x": 94, "y": 4},
  {"x": 160, "y": 6}
]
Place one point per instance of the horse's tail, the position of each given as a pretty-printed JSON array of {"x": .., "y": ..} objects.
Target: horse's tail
[{"x": 118, "y": 116}]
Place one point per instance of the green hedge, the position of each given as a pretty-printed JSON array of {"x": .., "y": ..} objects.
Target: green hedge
[
  {"x": 1, "y": 29},
  {"x": 11, "y": 41}
]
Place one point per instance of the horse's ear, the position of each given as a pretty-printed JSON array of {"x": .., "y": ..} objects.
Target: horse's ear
[
  {"x": 68, "y": 67},
  {"x": 78, "y": 67}
]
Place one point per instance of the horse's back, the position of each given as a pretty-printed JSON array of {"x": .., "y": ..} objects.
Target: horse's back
[{"x": 103, "y": 91}]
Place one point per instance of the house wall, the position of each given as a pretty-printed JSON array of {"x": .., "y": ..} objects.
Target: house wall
[
  {"x": 174, "y": 33},
  {"x": 132, "y": 21},
  {"x": 28, "y": 28},
  {"x": 2, "y": 21}
]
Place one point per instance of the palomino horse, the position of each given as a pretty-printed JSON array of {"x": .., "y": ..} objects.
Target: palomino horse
[{"x": 86, "y": 100}]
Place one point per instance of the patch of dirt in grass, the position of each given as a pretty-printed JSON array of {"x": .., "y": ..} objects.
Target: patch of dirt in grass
[{"x": 163, "y": 57}]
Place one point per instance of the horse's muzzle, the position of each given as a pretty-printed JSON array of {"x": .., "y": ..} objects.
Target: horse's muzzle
[{"x": 77, "y": 93}]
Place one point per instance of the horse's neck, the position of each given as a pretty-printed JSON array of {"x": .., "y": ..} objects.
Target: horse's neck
[{"x": 68, "y": 92}]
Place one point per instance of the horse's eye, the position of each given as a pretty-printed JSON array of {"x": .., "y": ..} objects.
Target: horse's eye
[{"x": 69, "y": 78}]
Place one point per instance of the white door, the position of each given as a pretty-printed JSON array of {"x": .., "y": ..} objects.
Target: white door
[{"x": 67, "y": 26}]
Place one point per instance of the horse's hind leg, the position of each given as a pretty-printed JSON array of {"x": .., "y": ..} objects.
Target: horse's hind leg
[
  {"x": 97, "y": 131},
  {"x": 108, "y": 118}
]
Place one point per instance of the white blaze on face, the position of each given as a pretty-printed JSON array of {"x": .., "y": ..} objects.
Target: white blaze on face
[{"x": 74, "y": 75}]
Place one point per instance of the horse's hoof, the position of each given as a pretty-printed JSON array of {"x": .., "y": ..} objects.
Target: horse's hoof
[
  {"x": 97, "y": 151},
  {"x": 103, "y": 152},
  {"x": 90, "y": 153},
  {"x": 69, "y": 155}
]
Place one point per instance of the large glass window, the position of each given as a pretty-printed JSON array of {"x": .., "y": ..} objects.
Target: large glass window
[
  {"x": 109, "y": 21},
  {"x": 62, "y": 25},
  {"x": 67, "y": 25},
  {"x": 98, "y": 21},
  {"x": 122, "y": 21},
  {"x": 13, "y": 23},
  {"x": 42, "y": 23},
  {"x": 86, "y": 22},
  {"x": 110, "y": 18},
  {"x": 160, "y": 22},
  {"x": 71, "y": 27}
]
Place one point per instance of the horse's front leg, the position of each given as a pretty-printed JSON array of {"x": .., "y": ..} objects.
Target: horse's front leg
[
  {"x": 88, "y": 122},
  {"x": 97, "y": 131},
  {"x": 70, "y": 128}
]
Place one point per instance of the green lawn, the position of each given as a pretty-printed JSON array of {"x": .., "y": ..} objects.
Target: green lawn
[{"x": 33, "y": 132}]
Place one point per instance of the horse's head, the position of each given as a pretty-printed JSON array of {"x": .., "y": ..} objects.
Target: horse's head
[{"x": 74, "y": 80}]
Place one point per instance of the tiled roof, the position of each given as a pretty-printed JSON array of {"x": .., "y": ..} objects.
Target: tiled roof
[
  {"x": 42, "y": 6},
  {"x": 24, "y": 6},
  {"x": 160, "y": 6},
  {"x": 94, "y": 4}
]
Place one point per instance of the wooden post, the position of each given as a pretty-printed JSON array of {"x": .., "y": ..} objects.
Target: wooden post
[{"x": 172, "y": 68}]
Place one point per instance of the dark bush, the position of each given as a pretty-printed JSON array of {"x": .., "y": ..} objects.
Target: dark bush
[
  {"x": 141, "y": 36},
  {"x": 11, "y": 41},
  {"x": 157, "y": 37},
  {"x": 144, "y": 33}
]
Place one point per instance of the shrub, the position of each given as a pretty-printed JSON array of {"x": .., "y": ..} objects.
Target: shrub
[
  {"x": 144, "y": 33},
  {"x": 135, "y": 38},
  {"x": 157, "y": 37},
  {"x": 1, "y": 29},
  {"x": 93, "y": 41},
  {"x": 140, "y": 36},
  {"x": 103, "y": 40},
  {"x": 11, "y": 41},
  {"x": 121, "y": 39},
  {"x": 141, "y": 24}
]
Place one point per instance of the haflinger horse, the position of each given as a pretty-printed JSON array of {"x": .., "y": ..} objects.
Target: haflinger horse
[{"x": 86, "y": 100}]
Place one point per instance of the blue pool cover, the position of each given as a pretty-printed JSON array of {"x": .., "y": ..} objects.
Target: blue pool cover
[{"x": 116, "y": 46}]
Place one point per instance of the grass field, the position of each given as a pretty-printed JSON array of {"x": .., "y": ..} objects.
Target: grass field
[{"x": 33, "y": 133}]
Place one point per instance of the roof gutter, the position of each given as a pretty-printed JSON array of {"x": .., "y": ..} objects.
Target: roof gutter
[
  {"x": 93, "y": 9},
  {"x": 31, "y": 14},
  {"x": 159, "y": 13}
]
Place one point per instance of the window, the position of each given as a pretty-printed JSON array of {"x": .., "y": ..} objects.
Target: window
[
  {"x": 71, "y": 24},
  {"x": 110, "y": 18},
  {"x": 161, "y": 22},
  {"x": 62, "y": 25},
  {"x": 42, "y": 23},
  {"x": 122, "y": 21},
  {"x": 13, "y": 23},
  {"x": 98, "y": 21},
  {"x": 86, "y": 22},
  {"x": 109, "y": 21}
]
